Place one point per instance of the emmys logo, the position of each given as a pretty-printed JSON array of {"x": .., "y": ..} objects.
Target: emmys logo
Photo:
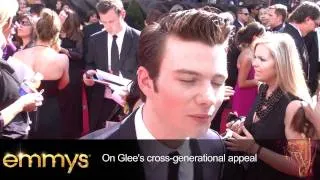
[{"x": 44, "y": 160}]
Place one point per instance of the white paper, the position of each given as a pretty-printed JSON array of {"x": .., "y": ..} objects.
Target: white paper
[
  {"x": 117, "y": 80},
  {"x": 116, "y": 83}
]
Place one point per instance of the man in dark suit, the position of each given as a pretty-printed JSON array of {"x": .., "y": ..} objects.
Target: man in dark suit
[
  {"x": 89, "y": 30},
  {"x": 312, "y": 44},
  {"x": 181, "y": 78},
  {"x": 303, "y": 20},
  {"x": 277, "y": 14},
  {"x": 242, "y": 17},
  {"x": 113, "y": 49}
]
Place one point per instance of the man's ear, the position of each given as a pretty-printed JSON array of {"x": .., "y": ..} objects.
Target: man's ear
[
  {"x": 308, "y": 19},
  {"x": 145, "y": 82},
  {"x": 123, "y": 13}
]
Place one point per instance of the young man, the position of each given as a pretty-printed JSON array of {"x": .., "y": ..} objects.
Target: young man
[
  {"x": 303, "y": 20},
  {"x": 113, "y": 49},
  {"x": 182, "y": 74},
  {"x": 277, "y": 14}
]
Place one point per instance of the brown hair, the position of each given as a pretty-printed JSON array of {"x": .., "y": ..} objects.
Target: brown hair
[
  {"x": 104, "y": 6},
  {"x": 71, "y": 26},
  {"x": 48, "y": 26},
  {"x": 245, "y": 34},
  {"x": 280, "y": 10},
  {"x": 301, "y": 124},
  {"x": 304, "y": 10},
  {"x": 33, "y": 31},
  {"x": 189, "y": 25}
]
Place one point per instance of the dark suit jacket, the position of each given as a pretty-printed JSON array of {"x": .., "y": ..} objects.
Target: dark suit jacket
[
  {"x": 311, "y": 41},
  {"x": 237, "y": 25},
  {"x": 97, "y": 58},
  {"x": 210, "y": 144},
  {"x": 302, "y": 49},
  {"x": 87, "y": 32}
]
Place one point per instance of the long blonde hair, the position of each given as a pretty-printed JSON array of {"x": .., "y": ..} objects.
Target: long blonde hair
[{"x": 290, "y": 75}]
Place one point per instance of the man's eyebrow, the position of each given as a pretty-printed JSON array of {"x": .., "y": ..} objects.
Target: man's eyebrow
[
  {"x": 185, "y": 71},
  {"x": 219, "y": 76},
  {"x": 190, "y": 72}
]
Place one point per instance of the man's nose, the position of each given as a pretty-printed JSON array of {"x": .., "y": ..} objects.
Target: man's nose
[{"x": 207, "y": 96}]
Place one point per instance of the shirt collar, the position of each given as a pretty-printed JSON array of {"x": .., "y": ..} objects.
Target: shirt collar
[
  {"x": 296, "y": 28},
  {"x": 154, "y": 147},
  {"x": 240, "y": 23},
  {"x": 278, "y": 28},
  {"x": 120, "y": 35}
]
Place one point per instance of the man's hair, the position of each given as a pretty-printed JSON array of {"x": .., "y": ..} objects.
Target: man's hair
[
  {"x": 7, "y": 11},
  {"x": 104, "y": 6},
  {"x": 304, "y": 10},
  {"x": 188, "y": 25},
  {"x": 280, "y": 10},
  {"x": 240, "y": 8}
]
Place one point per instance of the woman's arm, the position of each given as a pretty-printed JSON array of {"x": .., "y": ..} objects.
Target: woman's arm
[
  {"x": 244, "y": 61},
  {"x": 296, "y": 163},
  {"x": 313, "y": 115},
  {"x": 64, "y": 80},
  {"x": 26, "y": 102}
]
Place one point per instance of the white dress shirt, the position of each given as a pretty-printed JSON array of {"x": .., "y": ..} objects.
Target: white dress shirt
[
  {"x": 159, "y": 170},
  {"x": 119, "y": 41},
  {"x": 318, "y": 38},
  {"x": 296, "y": 29}
]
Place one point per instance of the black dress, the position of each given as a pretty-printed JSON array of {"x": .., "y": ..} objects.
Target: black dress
[
  {"x": 269, "y": 132},
  {"x": 71, "y": 96},
  {"x": 47, "y": 124}
]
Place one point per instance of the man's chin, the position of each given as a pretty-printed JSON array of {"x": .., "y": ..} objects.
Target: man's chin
[{"x": 201, "y": 132}]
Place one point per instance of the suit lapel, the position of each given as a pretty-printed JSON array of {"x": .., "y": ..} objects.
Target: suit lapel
[
  {"x": 197, "y": 166},
  {"x": 127, "y": 131},
  {"x": 316, "y": 42},
  {"x": 104, "y": 49},
  {"x": 126, "y": 46}
]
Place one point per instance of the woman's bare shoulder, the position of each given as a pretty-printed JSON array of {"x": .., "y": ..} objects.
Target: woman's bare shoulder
[{"x": 22, "y": 54}]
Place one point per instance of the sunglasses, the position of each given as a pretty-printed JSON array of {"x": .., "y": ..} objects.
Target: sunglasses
[
  {"x": 246, "y": 14},
  {"x": 25, "y": 23}
]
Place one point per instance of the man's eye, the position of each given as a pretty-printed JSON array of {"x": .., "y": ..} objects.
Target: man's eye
[
  {"x": 216, "y": 84},
  {"x": 188, "y": 81}
]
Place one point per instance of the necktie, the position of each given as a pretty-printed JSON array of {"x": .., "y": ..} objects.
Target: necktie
[
  {"x": 173, "y": 169},
  {"x": 114, "y": 56}
]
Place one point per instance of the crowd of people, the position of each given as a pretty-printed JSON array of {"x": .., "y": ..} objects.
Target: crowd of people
[{"x": 184, "y": 65}]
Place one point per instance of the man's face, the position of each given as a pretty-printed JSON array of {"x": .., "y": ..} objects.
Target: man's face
[
  {"x": 190, "y": 87},
  {"x": 263, "y": 16},
  {"x": 310, "y": 25},
  {"x": 255, "y": 11},
  {"x": 243, "y": 15},
  {"x": 274, "y": 19},
  {"x": 112, "y": 21}
]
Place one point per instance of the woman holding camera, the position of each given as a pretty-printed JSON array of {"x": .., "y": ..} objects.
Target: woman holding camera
[{"x": 273, "y": 130}]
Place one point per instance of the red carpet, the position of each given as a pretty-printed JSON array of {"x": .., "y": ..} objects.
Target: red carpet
[{"x": 85, "y": 112}]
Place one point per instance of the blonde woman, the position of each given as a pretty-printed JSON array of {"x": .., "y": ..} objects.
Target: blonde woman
[
  {"x": 283, "y": 151},
  {"x": 54, "y": 67}
]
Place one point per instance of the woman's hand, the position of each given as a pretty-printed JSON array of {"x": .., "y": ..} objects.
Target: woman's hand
[
  {"x": 228, "y": 92},
  {"x": 244, "y": 143},
  {"x": 235, "y": 126}
]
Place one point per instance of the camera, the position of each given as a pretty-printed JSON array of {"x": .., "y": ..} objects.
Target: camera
[{"x": 233, "y": 117}]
